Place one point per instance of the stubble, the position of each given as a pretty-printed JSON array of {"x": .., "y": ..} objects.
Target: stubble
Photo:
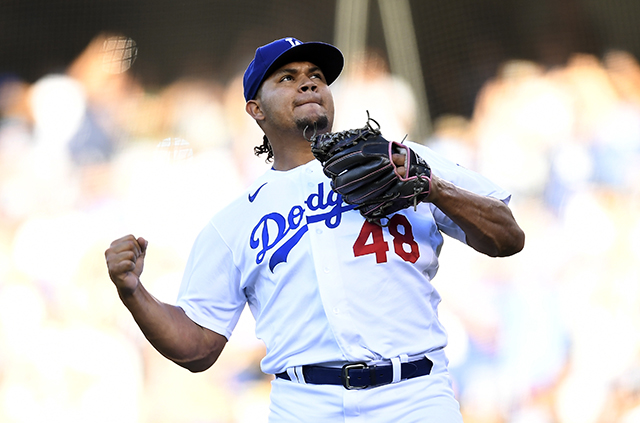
[{"x": 309, "y": 125}]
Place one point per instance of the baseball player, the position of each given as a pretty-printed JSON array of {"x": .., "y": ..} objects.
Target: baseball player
[{"x": 343, "y": 302}]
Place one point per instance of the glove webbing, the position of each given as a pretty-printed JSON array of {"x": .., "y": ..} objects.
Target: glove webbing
[{"x": 335, "y": 138}]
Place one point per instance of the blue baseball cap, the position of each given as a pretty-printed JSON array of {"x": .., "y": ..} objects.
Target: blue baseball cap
[{"x": 278, "y": 53}]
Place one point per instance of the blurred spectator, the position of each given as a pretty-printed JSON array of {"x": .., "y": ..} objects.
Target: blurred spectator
[
  {"x": 367, "y": 85},
  {"x": 245, "y": 134}
]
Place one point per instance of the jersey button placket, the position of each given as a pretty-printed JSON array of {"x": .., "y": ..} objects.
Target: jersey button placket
[{"x": 332, "y": 293}]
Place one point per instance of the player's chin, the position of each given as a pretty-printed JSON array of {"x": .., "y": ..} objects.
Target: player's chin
[{"x": 320, "y": 120}]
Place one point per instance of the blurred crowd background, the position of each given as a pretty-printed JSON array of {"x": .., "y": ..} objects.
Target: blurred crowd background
[{"x": 91, "y": 151}]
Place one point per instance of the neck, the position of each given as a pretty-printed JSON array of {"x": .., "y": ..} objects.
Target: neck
[
  {"x": 291, "y": 146},
  {"x": 290, "y": 152}
]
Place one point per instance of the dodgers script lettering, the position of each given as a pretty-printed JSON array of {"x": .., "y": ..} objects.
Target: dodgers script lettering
[{"x": 273, "y": 230}]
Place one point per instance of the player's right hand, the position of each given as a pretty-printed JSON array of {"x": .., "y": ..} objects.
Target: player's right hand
[{"x": 125, "y": 261}]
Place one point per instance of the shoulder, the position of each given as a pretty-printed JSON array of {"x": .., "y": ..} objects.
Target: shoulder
[
  {"x": 440, "y": 165},
  {"x": 433, "y": 157},
  {"x": 459, "y": 175}
]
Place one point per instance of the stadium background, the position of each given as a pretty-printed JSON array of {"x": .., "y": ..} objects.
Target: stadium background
[{"x": 542, "y": 96}]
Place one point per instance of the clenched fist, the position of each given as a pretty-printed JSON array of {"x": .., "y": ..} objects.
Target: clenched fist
[{"x": 125, "y": 261}]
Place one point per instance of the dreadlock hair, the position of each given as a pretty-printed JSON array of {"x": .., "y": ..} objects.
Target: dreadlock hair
[{"x": 264, "y": 148}]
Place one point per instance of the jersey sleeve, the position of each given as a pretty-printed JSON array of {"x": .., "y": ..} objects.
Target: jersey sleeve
[
  {"x": 461, "y": 177},
  {"x": 210, "y": 292}
]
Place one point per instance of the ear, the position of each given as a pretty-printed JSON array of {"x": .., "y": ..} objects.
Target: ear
[{"x": 254, "y": 110}]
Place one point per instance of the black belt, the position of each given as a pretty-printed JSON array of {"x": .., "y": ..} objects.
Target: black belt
[{"x": 360, "y": 375}]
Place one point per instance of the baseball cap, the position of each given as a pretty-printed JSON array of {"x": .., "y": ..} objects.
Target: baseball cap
[{"x": 277, "y": 53}]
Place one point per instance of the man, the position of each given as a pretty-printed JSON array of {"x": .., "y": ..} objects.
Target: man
[{"x": 345, "y": 307}]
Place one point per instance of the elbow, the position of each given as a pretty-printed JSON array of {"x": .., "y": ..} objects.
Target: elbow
[
  {"x": 511, "y": 238},
  {"x": 503, "y": 244},
  {"x": 208, "y": 354},
  {"x": 512, "y": 244},
  {"x": 197, "y": 366},
  {"x": 200, "y": 364},
  {"x": 519, "y": 244}
]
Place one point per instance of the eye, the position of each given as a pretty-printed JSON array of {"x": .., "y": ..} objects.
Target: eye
[{"x": 286, "y": 78}]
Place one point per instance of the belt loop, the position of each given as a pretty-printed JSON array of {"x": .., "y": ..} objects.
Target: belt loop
[
  {"x": 299, "y": 375},
  {"x": 291, "y": 371},
  {"x": 397, "y": 369}
]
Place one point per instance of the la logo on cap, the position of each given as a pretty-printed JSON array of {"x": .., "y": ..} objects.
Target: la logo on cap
[{"x": 293, "y": 41}]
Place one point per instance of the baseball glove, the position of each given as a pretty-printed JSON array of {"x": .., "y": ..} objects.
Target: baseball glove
[{"x": 360, "y": 165}]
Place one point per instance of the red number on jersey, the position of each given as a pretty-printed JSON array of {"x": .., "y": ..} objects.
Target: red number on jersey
[
  {"x": 377, "y": 246},
  {"x": 400, "y": 239}
]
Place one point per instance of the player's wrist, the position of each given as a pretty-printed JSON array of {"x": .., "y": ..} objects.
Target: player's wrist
[
  {"x": 435, "y": 189},
  {"x": 128, "y": 292}
]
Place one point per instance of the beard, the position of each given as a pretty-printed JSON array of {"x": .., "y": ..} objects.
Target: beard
[{"x": 309, "y": 124}]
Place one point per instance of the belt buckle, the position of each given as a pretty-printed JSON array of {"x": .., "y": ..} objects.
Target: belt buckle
[{"x": 346, "y": 378}]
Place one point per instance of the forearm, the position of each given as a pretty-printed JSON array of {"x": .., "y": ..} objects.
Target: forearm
[
  {"x": 488, "y": 223},
  {"x": 171, "y": 332}
]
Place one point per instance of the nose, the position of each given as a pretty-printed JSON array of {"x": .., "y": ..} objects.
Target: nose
[{"x": 308, "y": 84}]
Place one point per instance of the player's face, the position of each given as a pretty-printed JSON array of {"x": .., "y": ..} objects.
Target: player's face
[{"x": 296, "y": 96}]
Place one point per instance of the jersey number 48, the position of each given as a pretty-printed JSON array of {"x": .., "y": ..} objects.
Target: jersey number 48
[{"x": 371, "y": 240}]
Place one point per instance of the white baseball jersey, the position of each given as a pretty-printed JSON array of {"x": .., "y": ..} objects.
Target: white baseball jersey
[{"x": 323, "y": 284}]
